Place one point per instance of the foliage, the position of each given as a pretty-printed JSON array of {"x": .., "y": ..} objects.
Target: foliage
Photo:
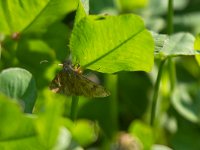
[{"x": 118, "y": 44}]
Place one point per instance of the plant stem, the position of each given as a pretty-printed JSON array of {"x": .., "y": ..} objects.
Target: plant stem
[
  {"x": 74, "y": 106},
  {"x": 171, "y": 64},
  {"x": 0, "y": 50},
  {"x": 170, "y": 17},
  {"x": 172, "y": 74},
  {"x": 155, "y": 94}
]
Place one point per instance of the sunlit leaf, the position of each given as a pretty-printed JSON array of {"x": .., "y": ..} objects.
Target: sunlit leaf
[
  {"x": 112, "y": 43},
  {"x": 23, "y": 16},
  {"x": 82, "y": 10}
]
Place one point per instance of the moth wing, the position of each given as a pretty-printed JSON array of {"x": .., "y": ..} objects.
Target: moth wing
[
  {"x": 89, "y": 88},
  {"x": 72, "y": 83},
  {"x": 60, "y": 84}
]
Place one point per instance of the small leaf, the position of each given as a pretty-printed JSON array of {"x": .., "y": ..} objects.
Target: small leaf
[
  {"x": 112, "y": 43},
  {"x": 160, "y": 41},
  {"x": 84, "y": 132},
  {"x": 175, "y": 45},
  {"x": 143, "y": 132},
  {"x": 186, "y": 100},
  {"x": 19, "y": 84}
]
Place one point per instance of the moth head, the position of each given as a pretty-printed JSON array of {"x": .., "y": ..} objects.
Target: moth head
[{"x": 67, "y": 63}]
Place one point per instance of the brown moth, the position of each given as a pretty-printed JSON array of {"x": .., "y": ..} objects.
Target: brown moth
[{"x": 71, "y": 82}]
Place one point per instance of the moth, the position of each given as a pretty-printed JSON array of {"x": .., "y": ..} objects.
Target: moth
[{"x": 70, "y": 81}]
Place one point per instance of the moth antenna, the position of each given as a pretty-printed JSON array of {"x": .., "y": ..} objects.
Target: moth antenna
[
  {"x": 60, "y": 65},
  {"x": 44, "y": 61}
]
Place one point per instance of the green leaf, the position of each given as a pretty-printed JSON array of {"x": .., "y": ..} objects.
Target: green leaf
[
  {"x": 17, "y": 130},
  {"x": 101, "y": 112},
  {"x": 84, "y": 132},
  {"x": 19, "y": 84},
  {"x": 0, "y": 50},
  {"x": 133, "y": 97},
  {"x": 143, "y": 132},
  {"x": 186, "y": 100},
  {"x": 49, "y": 121},
  {"x": 127, "y": 5},
  {"x": 25, "y": 16},
  {"x": 112, "y": 43},
  {"x": 33, "y": 132},
  {"x": 50, "y": 45},
  {"x": 185, "y": 137},
  {"x": 175, "y": 45},
  {"x": 197, "y": 47},
  {"x": 82, "y": 10}
]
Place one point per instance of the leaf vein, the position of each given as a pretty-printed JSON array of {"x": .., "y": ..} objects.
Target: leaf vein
[{"x": 115, "y": 48}]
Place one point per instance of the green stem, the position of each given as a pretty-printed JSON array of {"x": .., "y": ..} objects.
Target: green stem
[
  {"x": 171, "y": 64},
  {"x": 172, "y": 73},
  {"x": 0, "y": 50},
  {"x": 170, "y": 17},
  {"x": 155, "y": 94},
  {"x": 74, "y": 107}
]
